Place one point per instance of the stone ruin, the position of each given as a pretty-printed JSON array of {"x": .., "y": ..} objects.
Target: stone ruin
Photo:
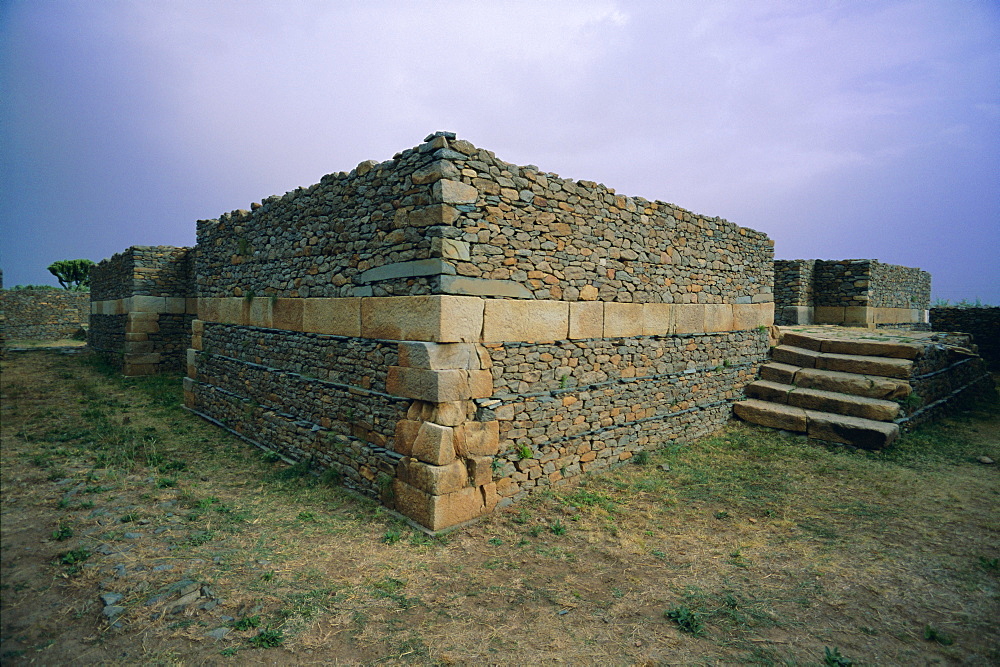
[{"x": 448, "y": 332}]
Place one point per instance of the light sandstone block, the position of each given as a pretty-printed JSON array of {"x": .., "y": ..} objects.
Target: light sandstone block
[
  {"x": 135, "y": 370},
  {"x": 95, "y": 308},
  {"x": 452, "y": 413},
  {"x": 439, "y": 512},
  {"x": 439, "y": 356},
  {"x": 196, "y": 342},
  {"x": 406, "y": 433},
  {"x": 286, "y": 313},
  {"x": 197, "y": 326},
  {"x": 859, "y": 315},
  {"x": 434, "y": 318},
  {"x": 191, "y": 305},
  {"x": 148, "y": 304},
  {"x": 748, "y": 316},
  {"x": 142, "y": 358},
  {"x": 657, "y": 319},
  {"x": 689, "y": 318},
  {"x": 586, "y": 319},
  {"x": 718, "y": 317},
  {"x": 176, "y": 305},
  {"x": 192, "y": 363},
  {"x": 477, "y": 439},
  {"x": 828, "y": 314},
  {"x": 434, "y": 444},
  {"x": 143, "y": 317},
  {"x": 136, "y": 336},
  {"x": 339, "y": 317},
  {"x": 622, "y": 320},
  {"x": 480, "y": 470},
  {"x": 446, "y": 191},
  {"x": 525, "y": 321},
  {"x": 120, "y": 306},
  {"x": 261, "y": 314},
  {"x": 231, "y": 310},
  {"x": 138, "y": 346},
  {"x": 208, "y": 309},
  {"x": 142, "y": 326},
  {"x": 438, "y": 386},
  {"x": 433, "y": 479}
]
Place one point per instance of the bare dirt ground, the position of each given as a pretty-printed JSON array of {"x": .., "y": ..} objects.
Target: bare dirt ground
[{"x": 135, "y": 533}]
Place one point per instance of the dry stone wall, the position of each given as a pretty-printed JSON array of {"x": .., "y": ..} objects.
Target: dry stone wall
[
  {"x": 44, "y": 314},
  {"x": 983, "y": 323},
  {"x": 851, "y": 292},
  {"x": 142, "y": 305}
]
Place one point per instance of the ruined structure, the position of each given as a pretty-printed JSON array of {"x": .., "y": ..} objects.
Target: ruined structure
[
  {"x": 447, "y": 331},
  {"x": 851, "y": 292}
]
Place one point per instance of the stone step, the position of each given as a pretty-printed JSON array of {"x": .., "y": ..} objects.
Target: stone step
[
  {"x": 845, "y": 363},
  {"x": 824, "y": 401},
  {"x": 856, "y": 431},
  {"x": 778, "y": 372},
  {"x": 872, "y": 386},
  {"x": 856, "y": 346}
]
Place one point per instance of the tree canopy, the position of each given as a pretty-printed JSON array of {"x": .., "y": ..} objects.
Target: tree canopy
[{"x": 72, "y": 273}]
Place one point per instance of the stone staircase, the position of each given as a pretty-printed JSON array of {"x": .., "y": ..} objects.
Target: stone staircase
[{"x": 835, "y": 389}]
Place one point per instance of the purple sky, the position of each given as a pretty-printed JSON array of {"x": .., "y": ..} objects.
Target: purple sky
[{"x": 866, "y": 129}]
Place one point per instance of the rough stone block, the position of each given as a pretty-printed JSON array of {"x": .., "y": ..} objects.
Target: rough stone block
[
  {"x": 795, "y": 356},
  {"x": 136, "y": 336},
  {"x": 747, "y": 317},
  {"x": 766, "y": 390},
  {"x": 623, "y": 320},
  {"x": 718, "y": 317},
  {"x": 451, "y": 249},
  {"x": 434, "y": 444},
  {"x": 863, "y": 433},
  {"x": 143, "y": 327},
  {"x": 191, "y": 305},
  {"x": 431, "y": 216},
  {"x": 480, "y": 470},
  {"x": 453, "y": 192},
  {"x": 412, "y": 269},
  {"x": 778, "y": 372},
  {"x": 406, "y": 433},
  {"x": 339, "y": 317},
  {"x": 437, "y": 318},
  {"x": 858, "y": 315},
  {"x": 525, "y": 321},
  {"x": 438, "y": 386},
  {"x": 435, "y": 171},
  {"x": 657, "y": 319},
  {"x": 689, "y": 318},
  {"x": 586, "y": 320},
  {"x": 773, "y": 415},
  {"x": 797, "y": 314},
  {"x": 286, "y": 313},
  {"x": 138, "y": 347},
  {"x": 143, "y": 317},
  {"x": 196, "y": 342},
  {"x": 464, "y": 286},
  {"x": 477, "y": 439},
  {"x": 261, "y": 314},
  {"x": 135, "y": 370},
  {"x": 439, "y": 356},
  {"x": 142, "y": 358},
  {"x": 231, "y": 310},
  {"x": 439, "y": 512},
  {"x": 197, "y": 326},
  {"x": 433, "y": 479}
]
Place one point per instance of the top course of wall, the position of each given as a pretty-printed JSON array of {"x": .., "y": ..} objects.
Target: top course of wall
[
  {"x": 163, "y": 271},
  {"x": 851, "y": 283},
  {"x": 449, "y": 218}
]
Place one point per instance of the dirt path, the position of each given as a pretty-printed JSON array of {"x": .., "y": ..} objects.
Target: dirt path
[{"x": 134, "y": 533}]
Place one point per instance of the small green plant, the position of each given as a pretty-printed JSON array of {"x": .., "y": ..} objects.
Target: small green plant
[
  {"x": 721, "y": 515},
  {"x": 63, "y": 532},
  {"x": 495, "y": 541},
  {"x": 247, "y": 623},
  {"x": 834, "y": 659},
  {"x": 641, "y": 458},
  {"x": 268, "y": 638},
  {"x": 229, "y": 652},
  {"x": 687, "y": 620},
  {"x": 934, "y": 635},
  {"x": 249, "y": 296},
  {"x": 524, "y": 452},
  {"x": 990, "y": 564},
  {"x": 244, "y": 246},
  {"x": 392, "y": 536},
  {"x": 167, "y": 482},
  {"x": 267, "y": 576},
  {"x": 306, "y": 516},
  {"x": 558, "y": 528},
  {"x": 564, "y": 381}
]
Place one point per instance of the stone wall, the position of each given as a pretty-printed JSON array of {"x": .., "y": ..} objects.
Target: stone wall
[
  {"x": 851, "y": 292},
  {"x": 447, "y": 332},
  {"x": 44, "y": 314},
  {"x": 982, "y": 323},
  {"x": 142, "y": 305}
]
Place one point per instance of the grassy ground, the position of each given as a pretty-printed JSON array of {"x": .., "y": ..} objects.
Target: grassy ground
[{"x": 747, "y": 547}]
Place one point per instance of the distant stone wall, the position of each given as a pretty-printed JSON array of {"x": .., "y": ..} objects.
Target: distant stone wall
[
  {"x": 851, "y": 292},
  {"x": 142, "y": 305},
  {"x": 982, "y": 323},
  {"x": 44, "y": 314}
]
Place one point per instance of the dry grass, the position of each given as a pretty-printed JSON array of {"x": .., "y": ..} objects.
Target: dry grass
[{"x": 780, "y": 549}]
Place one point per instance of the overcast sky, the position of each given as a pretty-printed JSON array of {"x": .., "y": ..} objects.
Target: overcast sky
[{"x": 864, "y": 129}]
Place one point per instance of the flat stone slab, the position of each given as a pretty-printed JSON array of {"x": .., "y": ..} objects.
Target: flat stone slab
[
  {"x": 843, "y": 404},
  {"x": 853, "y": 363},
  {"x": 766, "y": 390},
  {"x": 796, "y": 356},
  {"x": 773, "y": 415},
  {"x": 872, "y": 386},
  {"x": 862, "y": 433},
  {"x": 779, "y": 372}
]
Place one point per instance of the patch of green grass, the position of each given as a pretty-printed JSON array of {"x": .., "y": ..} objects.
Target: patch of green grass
[
  {"x": 63, "y": 532},
  {"x": 934, "y": 635},
  {"x": 247, "y": 623},
  {"x": 687, "y": 620},
  {"x": 268, "y": 638}
]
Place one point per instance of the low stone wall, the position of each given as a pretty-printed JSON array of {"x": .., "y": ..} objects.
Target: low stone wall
[
  {"x": 141, "y": 309},
  {"x": 982, "y": 323},
  {"x": 44, "y": 314},
  {"x": 851, "y": 292}
]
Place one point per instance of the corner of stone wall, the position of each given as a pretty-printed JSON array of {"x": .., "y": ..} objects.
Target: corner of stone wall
[{"x": 446, "y": 475}]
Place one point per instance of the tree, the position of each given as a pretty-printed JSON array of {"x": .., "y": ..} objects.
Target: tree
[{"x": 72, "y": 273}]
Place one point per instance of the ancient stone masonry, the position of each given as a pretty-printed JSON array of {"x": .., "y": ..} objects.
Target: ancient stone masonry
[
  {"x": 448, "y": 332},
  {"x": 851, "y": 292},
  {"x": 43, "y": 314},
  {"x": 982, "y": 323},
  {"x": 142, "y": 305}
]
